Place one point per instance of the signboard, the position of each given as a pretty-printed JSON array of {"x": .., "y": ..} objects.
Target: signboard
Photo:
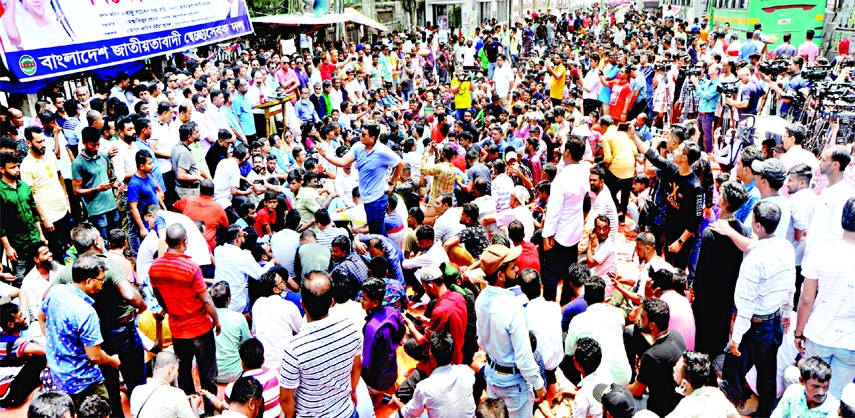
[
  {"x": 442, "y": 22},
  {"x": 48, "y": 38}
]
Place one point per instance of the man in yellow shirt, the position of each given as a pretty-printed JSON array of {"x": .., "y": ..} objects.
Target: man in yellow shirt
[
  {"x": 619, "y": 156},
  {"x": 461, "y": 87},
  {"x": 559, "y": 79}
]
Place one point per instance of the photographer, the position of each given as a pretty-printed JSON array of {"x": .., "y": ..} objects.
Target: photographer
[
  {"x": 708, "y": 94},
  {"x": 796, "y": 84},
  {"x": 749, "y": 95}
]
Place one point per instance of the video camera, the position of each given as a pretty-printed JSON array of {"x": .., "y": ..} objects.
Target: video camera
[
  {"x": 662, "y": 67},
  {"x": 729, "y": 88},
  {"x": 694, "y": 71},
  {"x": 773, "y": 68},
  {"x": 816, "y": 73}
]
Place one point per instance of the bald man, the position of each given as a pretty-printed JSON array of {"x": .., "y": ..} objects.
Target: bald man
[{"x": 750, "y": 92}]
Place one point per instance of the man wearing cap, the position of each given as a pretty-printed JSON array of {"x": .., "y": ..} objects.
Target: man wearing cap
[
  {"x": 511, "y": 371},
  {"x": 616, "y": 399},
  {"x": 770, "y": 177},
  {"x": 449, "y": 314}
]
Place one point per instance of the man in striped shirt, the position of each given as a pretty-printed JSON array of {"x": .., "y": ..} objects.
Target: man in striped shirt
[
  {"x": 766, "y": 283},
  {"x": 322, "y": 363},
  {"x": 251, "y": 358}
]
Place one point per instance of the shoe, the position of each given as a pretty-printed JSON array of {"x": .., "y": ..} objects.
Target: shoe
[{"x": 749, "y": 406}]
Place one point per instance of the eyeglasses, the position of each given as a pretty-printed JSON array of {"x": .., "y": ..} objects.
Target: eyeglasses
[{"x": 173, "y": 80}]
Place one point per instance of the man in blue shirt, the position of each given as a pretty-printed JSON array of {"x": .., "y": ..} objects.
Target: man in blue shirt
[
  {"x": 142, "y": 192},
  {"x": 243, "y": 111},
  {"x": 708, "y": 95},
  {"x": 751, "y": 46},
  {"x": 373, "y": 160},
  {"x": 794, "y": 86},
  {"x": 74, "y": 347},
  {"x": 305, "y": 109},
  {"x": 610, "y": 72},
  {"x": 511, "y": 371}
]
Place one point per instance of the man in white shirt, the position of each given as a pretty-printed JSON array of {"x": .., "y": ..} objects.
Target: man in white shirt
[
  {"x": 824, "y": 327},
  {"x": 544, "y": 320},
  {"x": 447, "y": 392},
  {"x": 235, "y": 266},
  {"x": 275, "y": 320},
  {"x": 170, "y": 401},
  {"x": 605, "y": 325},
  {"x": 227, "y": 177},
  {"x": 601, "y": 254},
  {"x": 764, "y": 292},
  {"x": 564, "y": 223},
  {"x": 825, "y": 225},
  {"x": 517, "y": 212},
  {"x": 587, "y": 359},
  {"x": 503, "y": 78}
]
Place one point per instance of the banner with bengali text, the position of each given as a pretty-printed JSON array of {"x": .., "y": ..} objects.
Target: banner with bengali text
[{"x": 47, "y": 38}]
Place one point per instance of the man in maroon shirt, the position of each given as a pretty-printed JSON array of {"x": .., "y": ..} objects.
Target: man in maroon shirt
[
  {"x": 448, "y": 313},
  {"x": 180, "y": 289}
]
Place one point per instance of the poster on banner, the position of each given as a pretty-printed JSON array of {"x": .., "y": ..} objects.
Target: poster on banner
[
  {"x": 442, "y": 22},
  {"x": 48, "y": 38}
]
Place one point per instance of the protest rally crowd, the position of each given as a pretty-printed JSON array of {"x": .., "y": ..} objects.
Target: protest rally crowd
[{"x": 461, "y": 204}]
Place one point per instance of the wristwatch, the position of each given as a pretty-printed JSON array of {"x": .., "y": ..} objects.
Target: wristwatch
[{"x": 680, "y": 240}]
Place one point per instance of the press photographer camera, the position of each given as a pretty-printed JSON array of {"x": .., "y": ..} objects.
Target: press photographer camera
[
  {"x": 816, "y": 73},
  {"x": 729, "y": 88},
  {"x": 773, "y": 68}
]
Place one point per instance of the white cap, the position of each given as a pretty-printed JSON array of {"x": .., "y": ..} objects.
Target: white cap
[{"x": 848, "y": 395}]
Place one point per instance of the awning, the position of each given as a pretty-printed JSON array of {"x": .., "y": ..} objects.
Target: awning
[{"x": 349, "y": 15}]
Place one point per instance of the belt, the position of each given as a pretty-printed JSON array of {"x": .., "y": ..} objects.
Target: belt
[
  {"x": 502, "y": 369},
  {"x": 761, "y": 318},
  {"x": 127, "y": 319}
]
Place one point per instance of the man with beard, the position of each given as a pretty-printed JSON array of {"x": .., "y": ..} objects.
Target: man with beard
[
  {"x": 92, "y": 181},
  {"x": 19, "y": 352},
  {"x": 20, "y": 225},
  {"x": 511, "y": 372},
  {"x": 36, "y": 284},
  {"x": 40, "y": 170}
]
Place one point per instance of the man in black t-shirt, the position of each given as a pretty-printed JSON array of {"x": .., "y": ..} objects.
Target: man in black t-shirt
[
  {"x": 492, "y": 48},
  {"x": 657, "y": 362},
  {"x": 684, "y": 195}
]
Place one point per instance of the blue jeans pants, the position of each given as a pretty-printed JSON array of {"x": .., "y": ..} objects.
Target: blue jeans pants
[
  {"x": 557, "y": 261},
  {"x": 106, "y": 222},
  {"x": 517, "y": 394},
  {"x": 842, "y": 362},
  {"x": 491, "y": 68},
  {"x": 375, "y": 214},
  {"x": 759, "y": 348}
]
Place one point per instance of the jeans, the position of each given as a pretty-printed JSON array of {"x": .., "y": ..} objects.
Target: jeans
[
  {"x": 513, "y": 390},
  {"x": 624, "y": 186},
  {"x": 590, "y": 106},
  {"x": 124, "y": 341},
  {"x": 706, "y": 120},
  {"x": 375, "y": 214},
  {"x": 491, "y": 69},
  {"x": 558, "y": 260},
  {"x": 842, "y": 363},
  {"x": 134, "y": 238},
  {"x": 27, "y": 380},
  {"x": 204, "y": 349},
  {"x": 759, "y": 348},
  {"x": 106, "y": 222},
  {"x": 58, "y": 239}
]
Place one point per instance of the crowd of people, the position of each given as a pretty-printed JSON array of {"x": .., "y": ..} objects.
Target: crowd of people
[{"x": 465, "y": 202}]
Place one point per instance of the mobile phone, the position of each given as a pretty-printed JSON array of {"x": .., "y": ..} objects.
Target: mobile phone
[
  {"x": 410, "y": 317},
  {"x": 623, "y": 127},
  {"x": 258, "y": 181}
]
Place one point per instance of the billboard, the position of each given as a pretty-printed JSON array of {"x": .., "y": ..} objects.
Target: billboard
[{"x": 48, "y": 38}]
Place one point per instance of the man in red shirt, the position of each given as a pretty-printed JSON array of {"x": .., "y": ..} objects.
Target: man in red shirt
[
  {"x": 621, "y": 93},
  {"x": 529, "y": 258},
  {"x": 449, "y": 314},
  {"x": 180, "y": 289},
  {"x": 204, "y": 209}
]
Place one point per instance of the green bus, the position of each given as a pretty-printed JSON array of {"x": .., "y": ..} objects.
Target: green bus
[{"x": 777, "y": 17}]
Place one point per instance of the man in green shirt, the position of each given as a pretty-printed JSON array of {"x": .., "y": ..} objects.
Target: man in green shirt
[
  {"x": 20, "y": 224},
  {"x": 235, "y": 331},
  {"x": 91, "y": 179}
]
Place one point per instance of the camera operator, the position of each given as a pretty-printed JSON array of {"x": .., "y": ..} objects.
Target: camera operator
[
  {"x": 750, "y": 93},
  {"x": 796, "y": 84},
  {"x": 707, "y": 91}
]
